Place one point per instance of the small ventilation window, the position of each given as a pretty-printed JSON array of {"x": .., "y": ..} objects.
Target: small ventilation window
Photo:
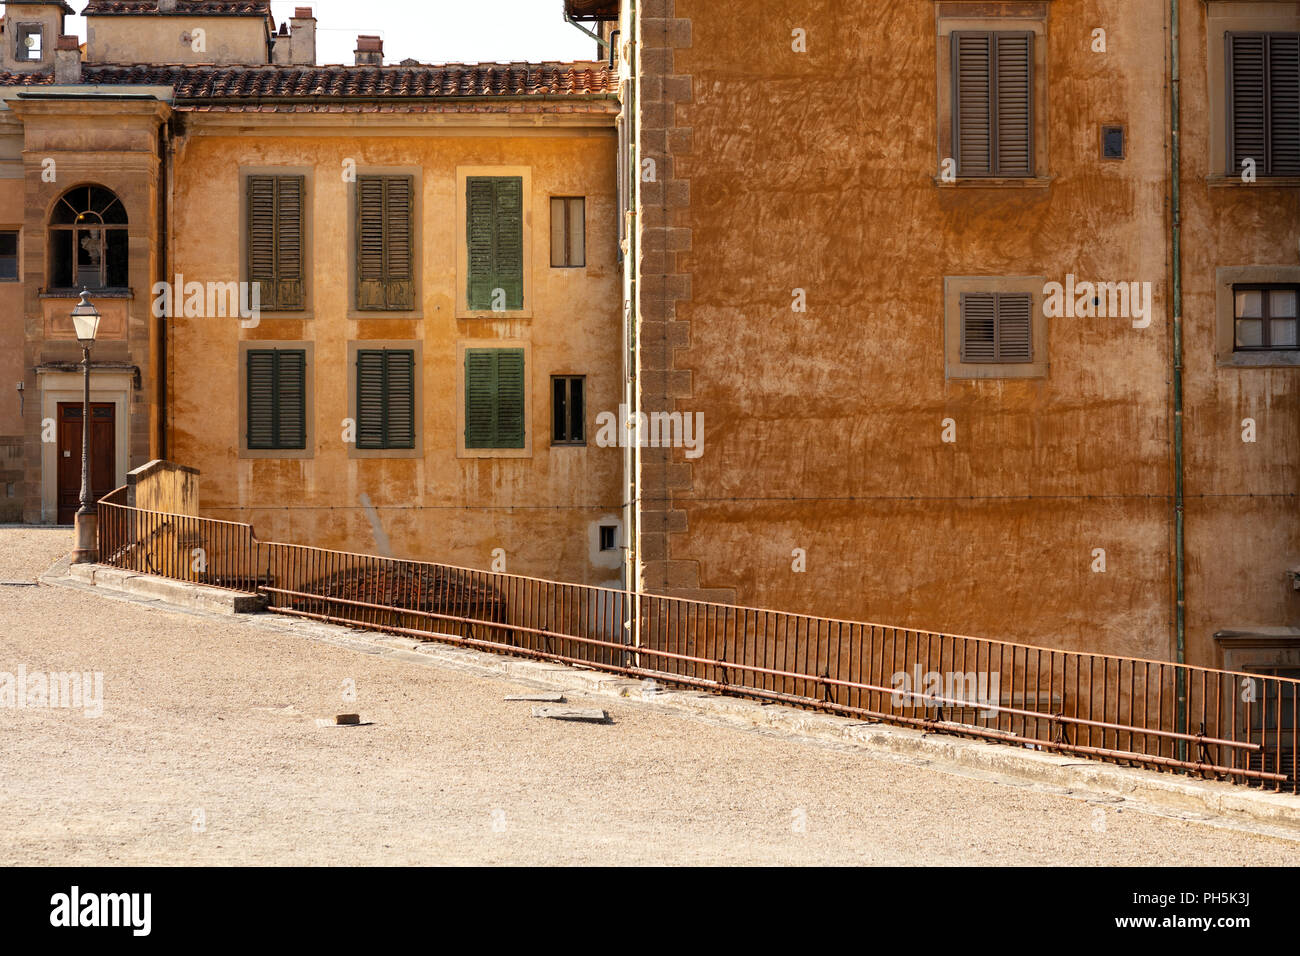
[
  {"x": 29, "y": 39},
  {"x": 1112, "y": 142},
  {"x": 608, "y": 537}
]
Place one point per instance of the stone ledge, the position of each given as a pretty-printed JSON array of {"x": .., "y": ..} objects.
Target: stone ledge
[{"x": 179, "y": 593}]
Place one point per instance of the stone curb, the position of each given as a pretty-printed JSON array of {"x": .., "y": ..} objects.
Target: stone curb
[{"x": 1023, "y": 765}]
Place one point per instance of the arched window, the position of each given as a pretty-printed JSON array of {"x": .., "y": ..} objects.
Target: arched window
[{"x": 88, "y": 240}]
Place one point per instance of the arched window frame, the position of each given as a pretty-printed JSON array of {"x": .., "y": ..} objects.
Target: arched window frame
[{"x": 88, "y": 240}]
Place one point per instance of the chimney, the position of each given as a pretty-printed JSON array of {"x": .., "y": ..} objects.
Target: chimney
[
  {"x": 302, "y": 37},
  {"x": 166, "y": 6},
  {"x": 281, "y": 48},
  {"x": 370, "y": 51},
  {"x": 67, "y": 61}
]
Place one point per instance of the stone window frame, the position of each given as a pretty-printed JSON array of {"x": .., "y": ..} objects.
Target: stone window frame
[
  {"x": 1235, "y": 16},
  {"x": 463, "y": 311},
  {"x": 1225, "y": 324},
  {"x": 309, "y": 409},
  {"x": 26, "y": 28},
  {"x": 412, "y": 345},
  {"x": 417, "y": 243},
  {"x": 1025, "y": 16},
  {"x": 954, "y": 367},
  {"x": 530, "y": 401}
]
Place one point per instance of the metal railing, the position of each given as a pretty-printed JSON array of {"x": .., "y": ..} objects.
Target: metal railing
[{"x": 1237, "y": 726}]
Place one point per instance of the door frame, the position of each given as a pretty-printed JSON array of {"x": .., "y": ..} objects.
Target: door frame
[{"x": 106, "y": 386}]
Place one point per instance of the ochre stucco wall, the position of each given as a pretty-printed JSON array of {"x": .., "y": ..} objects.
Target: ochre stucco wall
[
  {"x": 542, "y": 510},
  {"x": 171, "y": 39},
  {"x": 823, "y": 430}
]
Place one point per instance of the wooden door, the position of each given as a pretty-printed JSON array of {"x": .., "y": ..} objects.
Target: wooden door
[{"x": 103, "y": 455}]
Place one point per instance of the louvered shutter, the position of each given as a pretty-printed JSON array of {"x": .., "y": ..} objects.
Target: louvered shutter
[
  {"x": 973, "y": 103},
  {"x": 495, "y": 240},
  {"x": 289, "y": 193},
  {"x": 1015, "y": 327},
  {"x": 1014, "y": 104},
  {"x": 385, "y": 273},
  {"x": 479, "y": 206},
  {"x": 260, "y": 403},
  {"x": 276, "y": 401},
  {"x": 510, "y": 398},
  {"x": 386, "y": 398},
  {"x": 261, "y": 237},
  {"x": 275, "y": 240},
  {"x": 1284, "y": 104},
  {"x": 979, "y": 327},
  {"x": 993, "y": 103},
  {"x": 1248, "y": 102},
  {"x": 480, "y": 398}
]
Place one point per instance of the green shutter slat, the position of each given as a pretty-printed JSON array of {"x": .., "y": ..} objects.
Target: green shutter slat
[
  {"x": 479, "y": 241},
  {"x": 508, "y": 227},
  {"x": 510, "y": 398},
  {"x": 260, "y": 402},
  {"x": 399, "y": 373},
  {"x": 370, "y": 399},
  {"x": 291, "y": 399},
  {"x": 480, "y": 398},
  {"x": 276, "y": 399}
]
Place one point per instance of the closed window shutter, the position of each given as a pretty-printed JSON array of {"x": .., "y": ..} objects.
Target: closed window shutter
[
  {"x": 495, "y": 240},
  {"x": 494, "y": 398},
  {"x": 385, "y": 274},
  {"x": 1264, "y": 102},
  {"x": 276, "y": 401},
  {"x": 993, "y": 103},
  {"x": 275, "y": 240},
  {"x": 997, "y": 327},
  {"x": 386, "y": 398}
]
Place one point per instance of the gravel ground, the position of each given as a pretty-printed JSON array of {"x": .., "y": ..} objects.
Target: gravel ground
[{"x": 207, "y": 752}]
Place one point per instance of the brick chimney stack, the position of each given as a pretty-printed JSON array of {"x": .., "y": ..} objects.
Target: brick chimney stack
[
  {"x": 370, "y": 51},
  {"x": 67, "y": 61},
  {"x": 302, "y": 37}
]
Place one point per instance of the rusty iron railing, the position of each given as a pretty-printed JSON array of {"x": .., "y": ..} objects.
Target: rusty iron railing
[
  {"x": 220, "y": 554},
  {"x": 1231, "y": 725}
]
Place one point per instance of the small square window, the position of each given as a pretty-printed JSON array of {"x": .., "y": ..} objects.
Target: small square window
[
  {"x": 608, "y": 537},
  {"x": 29, "y": 39},
  {"x": 8, "y": 256},
  {"x": 1112, "y": 142},
  {"x": 1264, "y": 317}
]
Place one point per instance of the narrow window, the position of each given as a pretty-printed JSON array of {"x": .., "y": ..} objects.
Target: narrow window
[
  {"x": 993, "y": 103},
  {"x": 996, "y": 327},
  {"x": 494, "y": 398},
  {"x": 276, "y": 406},
  {"x": 568, "y": 410},
  {"x": 8, "y": 256},
  {"x": 385, "y": 274},
  {"x": 275, "y": 240},
  {"x": 495, "y": 237},
  {"x": 385, "y": 398},
  {"x": 1264, "y": 103},
  {"x": 608, "y": 537},
  {"x": 568, "y": 232},
  {"x": 30, "y": 42},
  {"x": 1112, "y": 142},
  {"x": 1265, "y": 317}
]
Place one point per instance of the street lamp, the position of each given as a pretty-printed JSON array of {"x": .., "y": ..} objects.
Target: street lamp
[{"x": 85, "y": 320}]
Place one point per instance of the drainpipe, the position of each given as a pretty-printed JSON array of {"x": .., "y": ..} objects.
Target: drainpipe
[
  {"x": 633, "y": 386},
  {"x": 1176, "y": 265}
]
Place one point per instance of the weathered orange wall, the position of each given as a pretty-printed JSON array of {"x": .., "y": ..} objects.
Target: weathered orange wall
[
  {"x": 542, "y": 510},
  {"x": 816, "y": 171}
]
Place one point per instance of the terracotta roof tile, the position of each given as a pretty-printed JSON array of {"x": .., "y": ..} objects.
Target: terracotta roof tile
[
  {"x": 238, "y": 8},
  {"x": 196, "y": 85}
]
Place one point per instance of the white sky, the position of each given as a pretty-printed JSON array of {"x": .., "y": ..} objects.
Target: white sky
[{"x": 435, "y": 31}]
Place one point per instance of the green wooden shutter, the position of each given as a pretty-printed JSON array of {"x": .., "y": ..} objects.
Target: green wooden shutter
[
  {"x": 276, "y": 401},
  {"x": 510, "y": 398},
  {"x": 385, "y": 267},
  {"x": 259, "y": 407},
  {"x": 494, "y": 398},
  {"x": 479, "y": 239},
  {"x": 386, "y": 398},
  {"x": 261, "y": 237},
  {"x": 480, "y": 398},
  {"x": 370, "y": 399},
  {"x": 495, "y": 240}
]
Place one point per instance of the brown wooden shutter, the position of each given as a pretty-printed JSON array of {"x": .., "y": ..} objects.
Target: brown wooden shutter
[
  {"x": 399, "y": 272},
  {"x": 979, "y": 321},
  {"x": 1247, "y": 102},
  {"x": 997, "y": 327},
  {"x": 993, "y": 103},
  {"x": 275, "y": 240},
  {"x": 1284, "y": 104},
  {"x": 1015, "y": 327},
  {"x": 259, "y": 408},
  {"x": 370, "y": 244}
]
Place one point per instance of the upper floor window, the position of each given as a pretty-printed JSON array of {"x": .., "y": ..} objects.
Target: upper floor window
[
  {"x": 1265, "y": 317},
  {"x": 1263, "y": 88},
  {"x": 276, "y": 231},
  {"x": 568, "y": 232},
  {"x": 88, "y": 240},
  {"x": 993, "y": 103},
  {"x": 385, "y": 243},
  {"x": 495, "y": 241},
  {"x": 30, "y": 44}
]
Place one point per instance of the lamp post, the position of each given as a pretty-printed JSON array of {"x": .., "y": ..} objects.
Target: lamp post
[{"x": 85, "y": 319}]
